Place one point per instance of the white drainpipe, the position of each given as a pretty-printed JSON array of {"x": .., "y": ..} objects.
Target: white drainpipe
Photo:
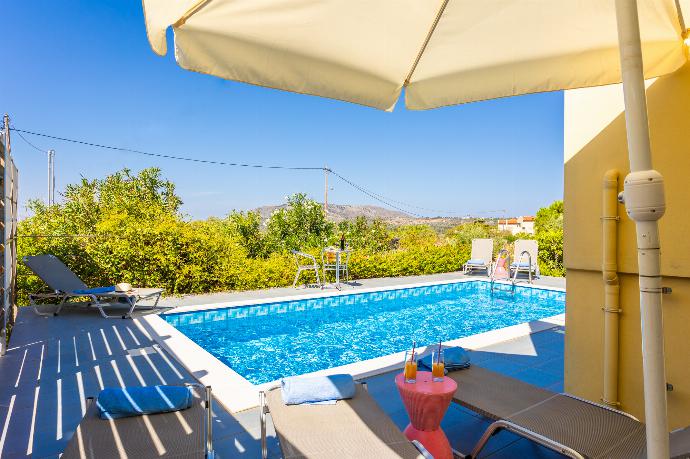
[
  {"x": 645, "y": 204},
  {"x": 611, "y": 291}
]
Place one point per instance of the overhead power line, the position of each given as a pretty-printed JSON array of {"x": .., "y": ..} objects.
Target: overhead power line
[
  {"x": 19, "y": 133},
  {"x": 161, "y": 155},
  {"x": 389, "y": 202},
  {"x": 372, "y": 194}
]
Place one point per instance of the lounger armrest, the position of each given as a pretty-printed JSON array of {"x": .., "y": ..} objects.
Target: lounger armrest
[
  {"x": 422, "y": 450},
  {"x": 45, "y": 295}
]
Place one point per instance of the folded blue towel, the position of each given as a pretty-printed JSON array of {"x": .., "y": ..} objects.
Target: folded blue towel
[
  {"x": 522, "y": 264},
  {"x": 134, "y": 401},
  {"x": 94, "y": 291},
  {"x": 476, "y": 261},
  {"x": 298, "y": 390},
  {"x": 455, "y": 358}
]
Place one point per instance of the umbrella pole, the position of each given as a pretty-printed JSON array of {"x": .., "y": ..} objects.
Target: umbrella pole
[{"x": 644, "y": 200}]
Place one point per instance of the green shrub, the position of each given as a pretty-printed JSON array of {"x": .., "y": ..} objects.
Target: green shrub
[{"x": 127, "y": 228}]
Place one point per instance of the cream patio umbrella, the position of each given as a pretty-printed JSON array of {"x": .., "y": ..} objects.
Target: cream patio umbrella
[{"x": 451, "y": 52}]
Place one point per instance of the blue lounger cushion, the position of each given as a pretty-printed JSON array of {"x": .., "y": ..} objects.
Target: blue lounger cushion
[
  {"x": 476, "y": 261},
  {"x": 94, "y": 291},
  {"x": 114, "y": 403},
  {"x": 455, "y": 358},
  {"x": 523, "y": 264},
  {"x": 297, "y": 390}
]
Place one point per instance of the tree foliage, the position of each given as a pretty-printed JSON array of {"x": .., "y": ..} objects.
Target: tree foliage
[
  {"x": 128, "y": 227},
  {"x": 548, "y": 228},
  {"x": 301, "y": 224}
]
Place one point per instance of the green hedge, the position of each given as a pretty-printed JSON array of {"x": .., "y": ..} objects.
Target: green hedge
[
  {"x": 128, "y": 228},
  {"x": 184, "y": 261}
]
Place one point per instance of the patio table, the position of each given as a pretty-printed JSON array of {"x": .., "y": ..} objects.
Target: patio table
[
  {"x": 426, "y": 402},
  {"x": 337, "y": 251}
]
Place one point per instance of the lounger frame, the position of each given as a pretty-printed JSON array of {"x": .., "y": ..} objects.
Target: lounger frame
[
  {"x": 525, "y": 249},
  {"x": 264, "y": 410},
  {"x": 481, "y": 249},
  {"x": 131, "y": 298},
  {"x": 521, "y": 431},
  {"x": 207, "y": 423},
  {"x": 525, "y": 432},
  {"x": 64, "y": 285}
]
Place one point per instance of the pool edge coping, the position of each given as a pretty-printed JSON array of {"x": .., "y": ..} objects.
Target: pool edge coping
[{"x": 236, "y": 393}]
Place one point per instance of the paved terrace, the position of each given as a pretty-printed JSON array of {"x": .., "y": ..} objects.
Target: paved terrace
[{"x": 55, "y": 362}]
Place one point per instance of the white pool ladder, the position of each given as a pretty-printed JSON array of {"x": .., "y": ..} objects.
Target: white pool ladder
[
  {"x": 495, "y": 266},
  {"x": 529, "y": 268}
]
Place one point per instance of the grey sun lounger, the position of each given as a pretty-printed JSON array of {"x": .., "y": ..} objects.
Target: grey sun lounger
[
  {"x": 569, "y": 425},
  {"x": 65, "y": 285},
  {"x": 180, "y": 434},
  {"x": 351, "y": 429}
]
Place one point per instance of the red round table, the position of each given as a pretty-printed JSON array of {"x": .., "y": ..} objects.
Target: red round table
[{"x": 426, "y": 402}]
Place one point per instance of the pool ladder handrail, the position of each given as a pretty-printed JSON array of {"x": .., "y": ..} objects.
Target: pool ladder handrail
[
  {"x": 529, "y": 268},
  {"x": 495, "y": 265}
]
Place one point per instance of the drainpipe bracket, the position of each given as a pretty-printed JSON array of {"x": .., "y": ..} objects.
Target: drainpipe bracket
[
  {"x": 612, "y": 310},
  {"x": 611, "y": 217},
  {"x": 664, "y": 290}
]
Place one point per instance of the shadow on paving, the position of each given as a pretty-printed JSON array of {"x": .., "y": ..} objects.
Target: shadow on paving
[
  {"x": 536, "y": 359},
  {"x": 55, "y": 363}
]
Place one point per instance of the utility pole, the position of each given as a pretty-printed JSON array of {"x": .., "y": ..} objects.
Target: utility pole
[
  {"x": 5, "y": 257},
  {"x": 326, "y": 170},
  {"x": 51, "y": 177}
]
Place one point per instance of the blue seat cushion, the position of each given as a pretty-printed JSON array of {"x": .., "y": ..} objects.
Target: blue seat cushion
[
  {"x": 522, "y": 264},
  {"x": 114, "y": 403},
  {"x": 476, "y": 261}
]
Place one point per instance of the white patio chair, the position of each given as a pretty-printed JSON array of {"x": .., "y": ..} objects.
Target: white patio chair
[{"x": 305, "y": 262}]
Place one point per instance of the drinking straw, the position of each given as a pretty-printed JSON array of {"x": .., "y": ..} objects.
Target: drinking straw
[
  {"x": 438, "y": 354},
  {"x": 414, "y": 344}
]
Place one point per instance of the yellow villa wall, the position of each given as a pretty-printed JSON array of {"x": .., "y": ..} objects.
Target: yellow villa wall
[{"x": 594, "y": 143}]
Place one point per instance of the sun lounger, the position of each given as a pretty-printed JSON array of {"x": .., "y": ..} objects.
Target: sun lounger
[
  {"x": 482, "y": 256},
  {"x": 66, "y": 285},
  {"x": 525, "y": 259},
  {"x": 571, "y": 426},
  {"x": 180, "y": 434},
  {"x": 354, "y": 428}
]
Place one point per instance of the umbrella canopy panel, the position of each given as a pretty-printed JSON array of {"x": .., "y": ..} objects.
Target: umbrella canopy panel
[
  {"x": 498, "y": 48},
  {"x": 445, "y": 52}
]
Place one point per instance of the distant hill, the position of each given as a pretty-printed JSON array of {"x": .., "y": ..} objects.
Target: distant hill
[{"x": 340, "y": 212}]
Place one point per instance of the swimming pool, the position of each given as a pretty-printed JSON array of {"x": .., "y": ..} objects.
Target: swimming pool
[{"x": 268, "y": 341}]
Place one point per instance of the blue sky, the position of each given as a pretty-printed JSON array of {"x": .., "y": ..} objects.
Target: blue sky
[{"x": 84, "y": 70}]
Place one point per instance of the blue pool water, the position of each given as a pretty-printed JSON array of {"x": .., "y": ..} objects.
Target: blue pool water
[{"x": 268, "y": 341}]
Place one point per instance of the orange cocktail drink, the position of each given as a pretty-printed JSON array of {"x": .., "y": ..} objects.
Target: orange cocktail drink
[
  {"x": 438, "y": 364},
  {"x": 410, "y": 369},
  {"x": 437, "y": 370}
]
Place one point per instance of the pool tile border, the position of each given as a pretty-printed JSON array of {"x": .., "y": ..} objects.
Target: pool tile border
[{"x": 339, "y": 293}]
